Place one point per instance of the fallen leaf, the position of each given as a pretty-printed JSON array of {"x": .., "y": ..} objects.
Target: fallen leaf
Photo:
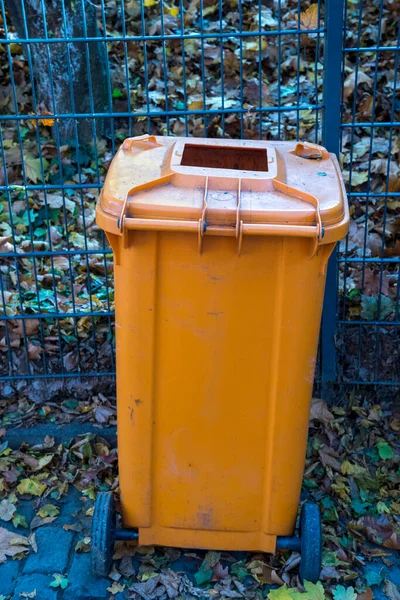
[
  {"x": 60, "y": 581},
  {"x": 342, "y": 593},
  {"x": 391, "y": 590},
  {"x": 30, "y": 486},
  {"x": 40, "y": 521},
  {"x": 49, "y": 510},
  {"x": 315, "y": 591},
  {"x": 12, "y": 544},
  {"x": 83, "y": 545},
  {"x": 219, "y": 572},
  {"x": 367, "y": 595},
  {"x": 385, "y": 450},
  {"x": 320, "y": 411},
  {"x": 282, "y": 593},
  {"x": 350, "y": 83},
  {"x": 309, "y": 18},
  {"x": 116, "y": 588},
  {"x": 7, "y": 510}
]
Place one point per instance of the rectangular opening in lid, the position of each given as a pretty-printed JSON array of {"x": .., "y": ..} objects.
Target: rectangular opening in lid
[{"x": 225, "y": 157}]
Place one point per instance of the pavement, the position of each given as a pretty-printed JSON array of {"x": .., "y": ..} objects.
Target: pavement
[{"x": 56, "y": 554}]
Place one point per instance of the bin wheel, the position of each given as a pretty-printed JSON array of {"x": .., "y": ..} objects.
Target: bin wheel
[
  {"x": 311, "y": 542},
  {"x": 103, "y": 534}
]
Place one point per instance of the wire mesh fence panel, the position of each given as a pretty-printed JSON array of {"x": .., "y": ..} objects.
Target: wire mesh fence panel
[
  {"x": 79, "y": 78},
  {"x": 368, "y": 319}
]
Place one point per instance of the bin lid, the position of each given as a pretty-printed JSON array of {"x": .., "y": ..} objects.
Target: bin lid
[{"x": 223, "y": 180}]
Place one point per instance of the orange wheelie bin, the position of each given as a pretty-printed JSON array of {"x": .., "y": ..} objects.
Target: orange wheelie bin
[{"x": 220, "y": 257}]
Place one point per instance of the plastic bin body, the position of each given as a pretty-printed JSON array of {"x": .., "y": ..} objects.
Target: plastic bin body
[{"x": 216, "y": 331}]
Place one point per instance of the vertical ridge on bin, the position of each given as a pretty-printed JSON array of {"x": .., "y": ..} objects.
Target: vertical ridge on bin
[
  {"x": 135, "y": 357},
  {"x": 273, "y": 390},
  {"x": 154, "y": 395}
]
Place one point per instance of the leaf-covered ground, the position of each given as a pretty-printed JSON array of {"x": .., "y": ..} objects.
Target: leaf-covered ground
[
  {"x": 352, "y": 471},
  {"x": 231, "y": 74}
]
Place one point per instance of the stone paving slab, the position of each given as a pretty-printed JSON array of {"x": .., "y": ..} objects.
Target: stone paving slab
[
  {"x": 8, "y": 575},
  {"x": 84, "y": 586},
  {"x": 54, "y": 548},
  {"x": 29, "y": 583}
]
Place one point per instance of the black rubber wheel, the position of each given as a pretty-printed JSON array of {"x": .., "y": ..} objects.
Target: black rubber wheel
[
  {"x": 103, "y": 534},
  {"x": 311, "y": 542}
]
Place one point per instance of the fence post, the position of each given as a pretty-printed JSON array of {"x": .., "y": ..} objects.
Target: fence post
[{"x": 334, "y": 14}]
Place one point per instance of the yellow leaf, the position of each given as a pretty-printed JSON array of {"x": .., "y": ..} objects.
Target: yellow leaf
[
  {"x": 47, "y": 121},
  {"x": 30, "y": 486},
  {"x": 149, "y": 3},
  {"x": 282, "y": 593},
  {"x": 48, "y": 510},
  {"x": 115, "y": 588},
  {"x": 309, "y": 18},
  {"x": 196, "y": 105},
  {"x": 174, "y": 11},
  {"x": 348, "y": 468}
]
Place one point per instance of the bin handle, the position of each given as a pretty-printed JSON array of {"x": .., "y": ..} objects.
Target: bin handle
[{"x": 316, "y": 232}]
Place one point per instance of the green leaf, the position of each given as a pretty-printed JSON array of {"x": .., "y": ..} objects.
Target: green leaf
[
  {"x": 374, "y": 577},
  {"x": 116, "y": 93},
  {"x": 203, "y": 576},
  {"x": 31, "y": 486},
  {"x": 19, "y": 521},
  {"x": 359, "y": 507},
  {"x": 210, "y": 559},
  {"x": 315, "y": 591},
  {"x": 239, "y": 570},
  {"x": 372, "y": 305},
  {"x": 282, "y": 593},
  {"x": 73, "y": 403},
  {"x": 342, "y": 593},
  {"x": 385, "y": 451},
  {"x": 49, "y": 510},
  {"x": 382, "y": 507},
  {"x": 90, "y": 493},
  {"x": 59, "y": 581}
]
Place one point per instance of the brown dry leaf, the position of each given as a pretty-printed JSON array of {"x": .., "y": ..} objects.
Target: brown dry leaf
[
  {"x": 191, "y": 13},
  {"x": 391, "y": 590},
  {"x": 39, "y": 521},
  {"x": 309, "y": 18},
  {"x": 380, "y": 531},
  {"x": 219, "y": 572},
  {"x": 329, "y": 461},
  {"x": 12, "y": 544},
  {"x": 73, "y": 527},
  {"x": 31, "y": 326},
  {"x": 7, "y": 510},
  {"x": 61, "y": 262},
  {"x": 103, "y": 414},
  {"x": 350, "y": 83},
  {"x": 393, "y": 251},
  {"x": 374, "y": 282},
  {"x": 320, "y": 411},
  {"x": 5, "y": 244},
  {"x": 365, "y": 106},
  {"x": 34, "y": 351},
  {"x": 367, "y": 595}
]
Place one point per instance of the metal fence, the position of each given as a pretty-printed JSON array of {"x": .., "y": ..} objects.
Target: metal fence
[{"x": 77, "y": 78}]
